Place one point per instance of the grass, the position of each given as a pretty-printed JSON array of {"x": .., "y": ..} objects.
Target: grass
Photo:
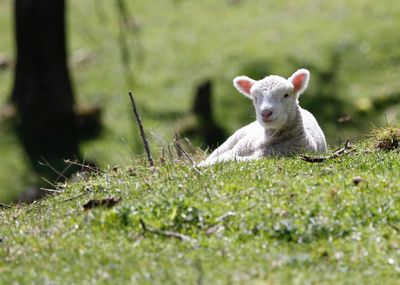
[
  {"x": 274, "y": 221},
  {"x": 175, "y": 45}
]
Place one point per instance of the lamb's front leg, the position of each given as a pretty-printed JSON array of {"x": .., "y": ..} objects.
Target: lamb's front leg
[
  {"x": 228, "y": 156},
  {"x": 229, "y": 144}
]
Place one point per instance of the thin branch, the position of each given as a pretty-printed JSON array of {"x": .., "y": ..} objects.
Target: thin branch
[
  {"x": 82, "y": 165},
  {"x": 313, "y": 159},
  {"x": 178, "y": 146},
  {"x": 49, "y": 182},
  {"x": 46, "y": 163},
  {"x": 176, "y": 143},
  {"x": 346, "y": 149},
  {"x": 170, "y": 234},
  {"x": 212, "y": 229},
  {"x": 226, "y": 215},
  {"x": 142, "y": 134},
  {"x": 51, "y": 190}
]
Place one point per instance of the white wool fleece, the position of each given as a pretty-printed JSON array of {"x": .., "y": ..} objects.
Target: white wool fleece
[{"x": 282, "y": 126}]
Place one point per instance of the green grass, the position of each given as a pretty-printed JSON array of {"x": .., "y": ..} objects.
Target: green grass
[
  {"x": 185, "y": 42},
  {"x": 285, "y": 221}
]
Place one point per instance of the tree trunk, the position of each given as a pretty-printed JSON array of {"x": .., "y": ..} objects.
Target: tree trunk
[{"x": 42, "y": 89}]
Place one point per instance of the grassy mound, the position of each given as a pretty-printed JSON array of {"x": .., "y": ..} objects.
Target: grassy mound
[
  {"x": 275, "y": 221},
  {"x": 387, "y": 138}
]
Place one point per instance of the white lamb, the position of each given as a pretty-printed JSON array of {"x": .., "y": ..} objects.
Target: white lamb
[{"x": 282, "y": 126}]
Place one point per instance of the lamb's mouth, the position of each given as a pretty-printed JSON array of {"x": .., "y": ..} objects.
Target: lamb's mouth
[{"x": 267, "y": 120}]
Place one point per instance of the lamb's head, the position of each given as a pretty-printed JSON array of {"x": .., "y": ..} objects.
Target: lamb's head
[{"x": 274, "y": 97}]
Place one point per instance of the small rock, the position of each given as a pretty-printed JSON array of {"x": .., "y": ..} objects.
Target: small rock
[{"x": 357, "y": 180}]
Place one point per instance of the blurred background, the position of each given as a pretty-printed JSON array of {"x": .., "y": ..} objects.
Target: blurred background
[{"x": 179, "y": 58}]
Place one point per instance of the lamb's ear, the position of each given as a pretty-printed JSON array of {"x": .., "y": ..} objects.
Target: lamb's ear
[
  {"x": 243, "y": 84},
  {"x": 300, "y": 79}
]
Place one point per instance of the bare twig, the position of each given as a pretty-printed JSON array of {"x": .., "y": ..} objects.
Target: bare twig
[
  {"x": 49, "y": 182},
  {"x": 170, "y": 234},
  {"x": 142, "y": 134},
  {"x": 46, "y": 163},
  {"x": 212, "y": 229},
  {"x": 313, "y": 159},
  {"x": 343, "y": 150},
  {"x": 51, "y": 190},
  {"x": 89, "y": 168},
  {"x": 226, "y": 215},
  {"x": 177, "y": 146},
  {"x": 346, "y": 149}
]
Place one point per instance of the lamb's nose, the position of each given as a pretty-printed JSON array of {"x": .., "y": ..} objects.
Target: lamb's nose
[{"x": 266, "y": 114}]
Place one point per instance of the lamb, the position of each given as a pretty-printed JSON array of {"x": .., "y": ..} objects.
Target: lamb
[{"x": 282, "y": 127}]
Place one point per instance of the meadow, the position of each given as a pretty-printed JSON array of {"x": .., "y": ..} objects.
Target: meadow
[
  {"x": 162, "y": 51},
  {"x": 274, "y": 221}
]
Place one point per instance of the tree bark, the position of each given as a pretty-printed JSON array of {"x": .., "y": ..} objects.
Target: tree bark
[{"x": 42, "y": 89}]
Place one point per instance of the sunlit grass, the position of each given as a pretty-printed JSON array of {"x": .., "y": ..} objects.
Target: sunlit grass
[
  {"x": 185, "y": 42},
  {"x": 278, "y": 221}
]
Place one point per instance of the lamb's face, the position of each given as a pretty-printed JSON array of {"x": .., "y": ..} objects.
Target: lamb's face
[{"x": 275, "y": 98}]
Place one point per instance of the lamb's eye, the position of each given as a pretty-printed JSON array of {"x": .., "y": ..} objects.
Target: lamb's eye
[{"x": 286, "y": 95}]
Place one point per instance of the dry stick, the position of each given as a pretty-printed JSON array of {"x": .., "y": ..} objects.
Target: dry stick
[
  {"x": 142, "y": 134},
  {"x": 46, "y": 163},
  {"x": 178, "y": 150},
  {"x": 212, "y": 229},
  {"x": 176, "y": 235},
  {"x": 51, "y": 190},
  {"x": 178, "y": 146},
  {"x": 346, "y": 149},
  {"x": 82, "y": 165},
  {"x": 191, "y": 160}
]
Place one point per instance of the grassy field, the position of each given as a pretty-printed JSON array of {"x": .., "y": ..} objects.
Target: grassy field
[
  {"x": 351, "y": 48},
  {"x": 275, "y": 221}
]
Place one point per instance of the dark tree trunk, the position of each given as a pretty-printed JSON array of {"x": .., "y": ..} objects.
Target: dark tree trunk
[{"x": 42, "y": 89}]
